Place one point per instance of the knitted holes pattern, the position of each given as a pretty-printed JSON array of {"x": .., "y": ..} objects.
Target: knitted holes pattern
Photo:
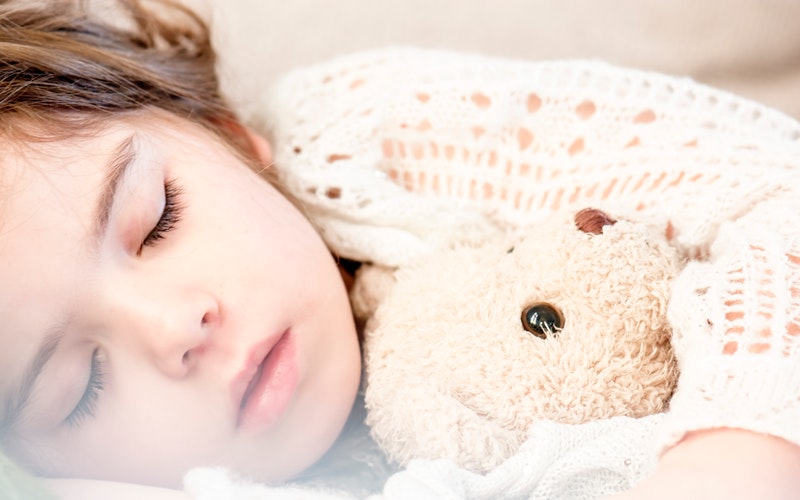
[
  {"x": 519, "y": 140},
  {"x": 756, "y": 265}
]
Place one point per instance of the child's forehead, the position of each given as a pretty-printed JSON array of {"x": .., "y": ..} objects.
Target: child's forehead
[
  {"x": 74, "y": 129},
  {"x": 27, "y": 163},
  {"x": 40, "y": 147}
]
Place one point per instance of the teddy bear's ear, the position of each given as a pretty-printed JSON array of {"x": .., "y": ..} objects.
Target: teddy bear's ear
[
  {"x": 592, "y": 220},
  {"x": 372, "y": 284}
]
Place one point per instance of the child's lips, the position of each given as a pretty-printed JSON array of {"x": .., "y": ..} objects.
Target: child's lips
[{"x": 263, "y": 389}]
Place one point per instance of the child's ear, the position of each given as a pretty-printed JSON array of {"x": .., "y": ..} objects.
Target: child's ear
[
  {"x": 259, "y": 145},
  {"x": 248, "y": 138}
]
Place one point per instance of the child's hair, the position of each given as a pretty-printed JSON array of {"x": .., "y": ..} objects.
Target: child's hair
[{"x": 66, "y": 68}]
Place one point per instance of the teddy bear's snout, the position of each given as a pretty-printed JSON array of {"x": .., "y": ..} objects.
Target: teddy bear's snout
[{"x": 592, "y": 220}]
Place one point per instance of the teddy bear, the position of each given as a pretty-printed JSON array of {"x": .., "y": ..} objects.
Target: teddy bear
[{"x": 469, "y": 346}]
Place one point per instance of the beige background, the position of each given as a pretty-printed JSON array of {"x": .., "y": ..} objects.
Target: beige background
[{"x": 751, "y": 47}]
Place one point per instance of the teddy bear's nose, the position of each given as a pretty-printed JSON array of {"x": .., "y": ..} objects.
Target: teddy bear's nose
[{"x": 592, "y": 220}]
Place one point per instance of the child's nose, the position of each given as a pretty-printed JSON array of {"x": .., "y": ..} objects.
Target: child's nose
[
  {"x": 186, "y": 334},
  {"x": 173, "y": 331}
]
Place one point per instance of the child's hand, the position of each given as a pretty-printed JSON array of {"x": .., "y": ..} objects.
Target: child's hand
[{"x": 724, "y": 463}]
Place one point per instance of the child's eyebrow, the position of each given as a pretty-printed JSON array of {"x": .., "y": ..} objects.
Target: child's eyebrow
[{"x": 116, "y": 170}]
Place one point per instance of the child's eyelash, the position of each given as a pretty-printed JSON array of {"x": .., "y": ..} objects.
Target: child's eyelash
[
  {"x": 170, "y": 215},
  {"x": 88, "y": 403}
]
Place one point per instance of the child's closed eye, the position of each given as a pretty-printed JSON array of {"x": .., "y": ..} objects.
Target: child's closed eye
[
  {"x": 88, "y": 403},
  {"x": 170, "y": 215}
]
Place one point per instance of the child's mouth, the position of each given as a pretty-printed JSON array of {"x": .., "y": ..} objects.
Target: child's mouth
[
  {"x": 271, "y": 387},
  {"x": 252, "y": 384}
]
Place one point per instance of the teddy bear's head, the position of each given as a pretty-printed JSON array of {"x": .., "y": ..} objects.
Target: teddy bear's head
[{"x": 468, "y": 348}]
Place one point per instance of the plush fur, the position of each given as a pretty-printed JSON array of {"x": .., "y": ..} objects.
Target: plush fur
[{"x": 452, "y": 373}]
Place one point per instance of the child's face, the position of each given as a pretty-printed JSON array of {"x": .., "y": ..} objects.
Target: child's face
[{"x": 146, "y": 275}]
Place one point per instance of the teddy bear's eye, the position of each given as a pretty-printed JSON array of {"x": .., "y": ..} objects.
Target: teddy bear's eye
[{"x": 542, "y": 319}]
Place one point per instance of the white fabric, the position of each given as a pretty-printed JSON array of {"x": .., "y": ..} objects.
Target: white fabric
[
  {"x": 206, "y": 483},
  {"x": 398, "y": 152},
  {"x": 558, "y": 462}
]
